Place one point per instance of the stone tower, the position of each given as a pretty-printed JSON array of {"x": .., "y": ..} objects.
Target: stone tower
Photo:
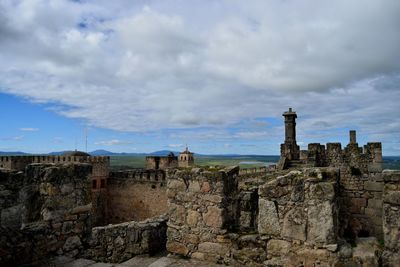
[
  {"x": 186, "y": 158},
  {"x": 290, "y": 149}
]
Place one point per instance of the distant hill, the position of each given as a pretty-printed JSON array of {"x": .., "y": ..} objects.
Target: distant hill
[
  {"x": 102, "y": 152},
  {"x": 57, "y": 153},
  {"x": 13, "y": 153},
  {"x": 163, "y": 153}
]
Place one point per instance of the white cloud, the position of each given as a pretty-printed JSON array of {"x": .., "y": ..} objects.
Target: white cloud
[
  {"x": 13, "y": 138},
  {"x": 113, "y": 142},
  {"x": 135, "y": 68},
  {"x": 29, "y": 129},
  {"x": 175, "y": 145}
]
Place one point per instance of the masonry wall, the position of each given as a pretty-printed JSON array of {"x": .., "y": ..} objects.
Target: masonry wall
[
  {"x": 136, "y": 195},
  {"x": 51, "y": 215},
  {"x": 161, "y": 163},
  {"x": 120, "y": 242},
  {"x": 391, "y": 218},
  {"x": 360, "y": 203},
  {"x": 298, "y": 211},
  {"x": 202, "y": 210}
]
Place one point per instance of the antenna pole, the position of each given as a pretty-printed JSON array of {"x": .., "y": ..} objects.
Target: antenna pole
[{"x": 86, "y": 137}]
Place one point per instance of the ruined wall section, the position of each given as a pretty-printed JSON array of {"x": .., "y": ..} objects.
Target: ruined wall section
[
  {"x": 53, "y": 215},
  {"x": 136, "y": 195},
  {"x": 120, "y": 242},
  {"x": 391, "y": 221},
  {"x": 161, "y": 162},
  {"x": 202, "y": 210},
  {"x": 298, "y": 211},
  {"x": 11, "y": 183},
  {"x": 360, "y": 203}
]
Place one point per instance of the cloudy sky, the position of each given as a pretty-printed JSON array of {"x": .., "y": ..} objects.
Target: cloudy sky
[{"x": 143, "y": 75}]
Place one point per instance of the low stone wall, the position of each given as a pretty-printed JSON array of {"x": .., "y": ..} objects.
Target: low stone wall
[
  {"x": 202, "y": 209},
  {"x": 136, "y": 195},
  {"x": 120, "y": 242},
  {"x": 11, "y": 183},
  {"x": 391, "y": 218},
  {"x": 51, "y": 216}
]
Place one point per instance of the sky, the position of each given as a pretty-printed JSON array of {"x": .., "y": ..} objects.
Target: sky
[{"x": 216, "y": 75}]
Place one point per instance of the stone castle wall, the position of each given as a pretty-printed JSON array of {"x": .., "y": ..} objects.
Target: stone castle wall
[
  {"x": 99, "y": 174},
  {"x": 391, "y": 218},
  {"x": 360, "y": 203},
  {"x": 136, "y": 195},
  {"x": 161, "y": 163},
  {"x": 52, "y": 214},
  {"x": 367, "y": 159},
  {"x": 295, "y": 219},
  {"x": 20, "y": 162}
]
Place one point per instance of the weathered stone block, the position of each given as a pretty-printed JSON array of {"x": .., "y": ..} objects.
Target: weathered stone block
[
  {"x": 177, "y": 247},
  {"x": 268, "y": 220},
  {"x": 192, "y": 218},
  {"x": 194, "y": 186},
  {"x": 373, "y": 212},
  {"x": 391, "y": 226},
  {"x": 322, "y": 191},
  {"x": 205, "y": 187},
  {"x": 178, "y": 185},
  {"x": 376, "y": 203},
  {"x": 272, "y": 190},
  {"x": 215, "y": 248},
  {"x": 321, "y": 223},
  {"x": 245, "y": 219},
  {"x": 72, "y": 242},
  {"x": 373, "y": 186},
  {"x": 276, "y": 247},
  {"x": 392, "y": 197},
  {"x": 294, "y": 224},
  {"x": 11, "y": 217},
  {"x": 198, "y": 255},
  {"x": 213, "y": 217},
  {"x": 213, "y": 198},
  {"x": 367, "y": 251},
  {"x": 177, "y": 213},
  {"x": 357, "y": 205}
]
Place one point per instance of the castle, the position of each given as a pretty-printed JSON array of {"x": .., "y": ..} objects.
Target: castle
[
  {"x": 185, "y": 159},
  {"x": 367, "y": 159},
  {"x": 326, "y": 206}
]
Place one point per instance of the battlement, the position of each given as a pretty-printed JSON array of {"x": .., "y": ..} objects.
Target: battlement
[
  {"x": 257, "y": 170},
  {"x": 364, "y": 159},
  {"x": 20, "y": 162},
  {"x": 138, "y": 175}
]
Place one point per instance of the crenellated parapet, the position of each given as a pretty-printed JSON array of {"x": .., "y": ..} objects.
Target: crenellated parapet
[
  {"x": 138, "y": 175},
  {"x": 365, "y": 159},
  {"x": 20, "y": 162}
]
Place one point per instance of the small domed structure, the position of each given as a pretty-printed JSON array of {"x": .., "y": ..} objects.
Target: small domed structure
[{"x": 186, "y": 158}]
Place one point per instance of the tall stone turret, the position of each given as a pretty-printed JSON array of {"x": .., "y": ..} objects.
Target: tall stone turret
[
  {"x": 290, "y": 150},
  {"x": 186, "y": 158}
]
